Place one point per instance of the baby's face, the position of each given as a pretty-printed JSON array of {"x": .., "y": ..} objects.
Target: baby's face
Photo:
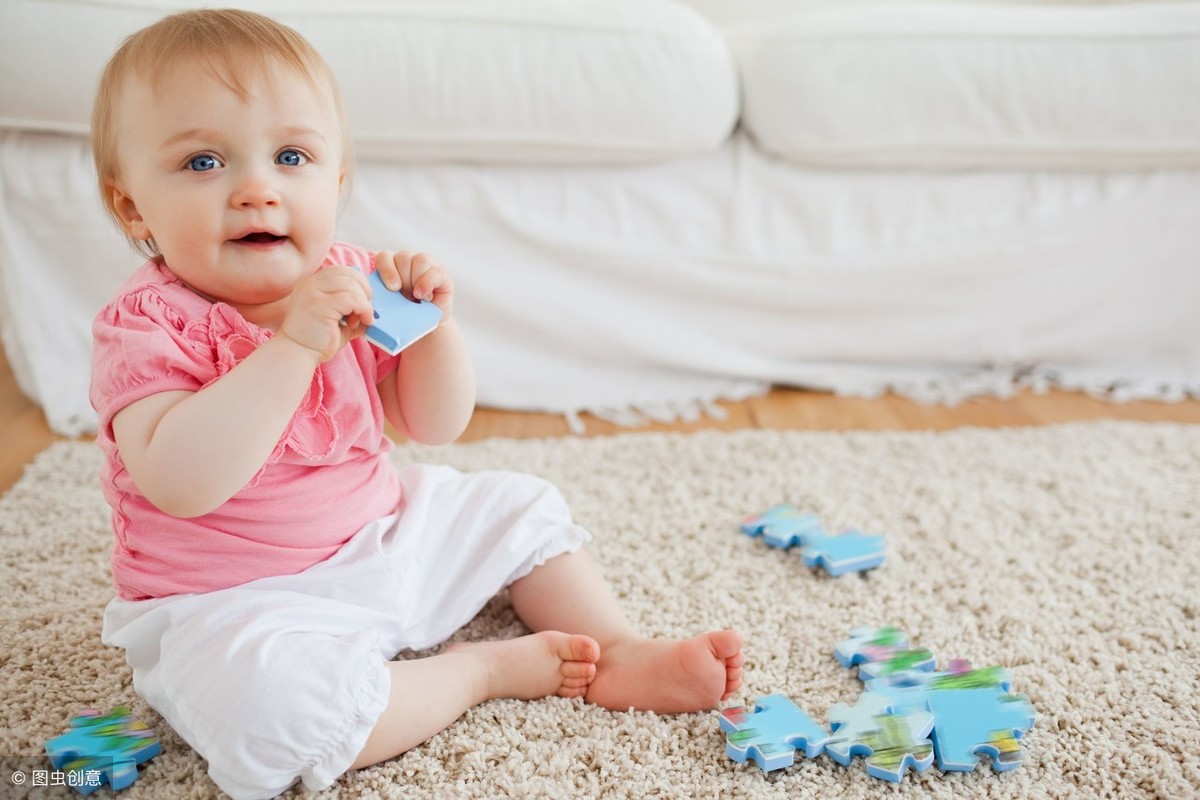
[{"x": 240, "y": 196}]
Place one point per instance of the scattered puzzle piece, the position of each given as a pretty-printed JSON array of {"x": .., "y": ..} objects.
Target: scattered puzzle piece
[
  {"x": 900, "y": 743},
  {"x": 983, "y": 678},
  {"x": 851, "y": 724},
  {"x": 908, "y": 715},
  {"x": 782, "y": 525},
  {"x": 974, "y": 722},
  {"x": 771, "y": 732},
  {"x": 891, "y": 742},
  {"x": 851, "y": 551},
  {"x": 899, "y": 661},
  {"x": 909, "y": 690},
  {"x": 785, "y": 526},
  {"x": 880, "y": 652},
  {"x": 869, "y": 644},
  {"x": 101, "y": 749},
  {"x": 398, "y": 321}
]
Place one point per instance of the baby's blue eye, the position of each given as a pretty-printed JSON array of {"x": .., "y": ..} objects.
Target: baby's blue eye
[
  {"x": 291, "y": 158},
  {"x": 203, "y": 163}
]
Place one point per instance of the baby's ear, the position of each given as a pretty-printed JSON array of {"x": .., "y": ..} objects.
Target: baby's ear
[{"x": 126, "y": 212}]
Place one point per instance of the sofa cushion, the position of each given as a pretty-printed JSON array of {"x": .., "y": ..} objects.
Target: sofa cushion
[
  {"x": 911, "y": 84},
  {"x": 607, "y": 81}
]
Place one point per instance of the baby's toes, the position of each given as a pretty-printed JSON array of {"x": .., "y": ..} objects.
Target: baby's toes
[
  {"x": 577, "y": 676},
  {"x": 578, "y": 671},
  {"x": 727, "y": 646},
  {"x": 580, "y": 648}
]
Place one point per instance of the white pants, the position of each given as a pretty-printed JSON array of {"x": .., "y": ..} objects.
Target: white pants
[{"x": 284, "y": 678}]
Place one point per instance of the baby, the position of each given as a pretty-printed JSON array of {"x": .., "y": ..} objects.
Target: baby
[{"x": 270, "y": 562}]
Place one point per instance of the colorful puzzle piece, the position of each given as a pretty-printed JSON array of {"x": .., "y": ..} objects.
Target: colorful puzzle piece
[
  {"x": 398, "y": 321},
  {"x": 909, "y": 690},
  {"x": 972, "y": 709},
  {"x": 101, "y": 749},
  {"x": 900, "y": 661},
  {"x": 974, "y": 722},
  {"x": 869, "y": 644},
  {"x": 851, "y": 724},
  {"x": 880, "y": 652},
  {"x": 899, "y": 744},
  {"x": 771, "y": 732},
  {"x": 958, "y": 677},
  {"x": 906, "y": 716},
  {"x": 892, "y": 743}
]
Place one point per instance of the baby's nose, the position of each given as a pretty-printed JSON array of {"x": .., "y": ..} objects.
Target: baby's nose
[{"x": 254, "y": 190}]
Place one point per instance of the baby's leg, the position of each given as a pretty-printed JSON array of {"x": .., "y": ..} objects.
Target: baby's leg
[
  {"x": 664, "y": 675},
  {"x": 430, "y": 693}
]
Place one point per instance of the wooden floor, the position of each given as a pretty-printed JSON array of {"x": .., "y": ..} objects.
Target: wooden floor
[{"x": 25, "y": 432}]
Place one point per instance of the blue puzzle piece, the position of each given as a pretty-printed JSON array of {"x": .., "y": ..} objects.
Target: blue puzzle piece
[
  {"x": 771, "y": 732},
  {"x": 974, "y": 722},
  {"x": 869, "y": 644},
  {"x": 879, "y": 652},
  {"x": 850, "y": 724},
  {"x": 398, "y": 321},
  {"x": 782, "y": 526},
  {"x": 852, "y": 551},
  {"x": 908, "y": 690},
  {"x": 900, "y": 661},
  {"x": 891, "y": 742},
  {"x": 900, "y": 743},
  {"x": 100, "y": 749},
  {"x": 972, "y": 710}
]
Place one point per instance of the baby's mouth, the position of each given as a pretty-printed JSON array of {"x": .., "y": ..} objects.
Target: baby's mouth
[{"x": 260, "y": 238}]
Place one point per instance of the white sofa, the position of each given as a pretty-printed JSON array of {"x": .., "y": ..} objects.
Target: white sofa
[{"x": 649, "y": 205}]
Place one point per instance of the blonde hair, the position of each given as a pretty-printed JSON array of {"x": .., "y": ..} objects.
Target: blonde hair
[{"x": 234, "y": 45}]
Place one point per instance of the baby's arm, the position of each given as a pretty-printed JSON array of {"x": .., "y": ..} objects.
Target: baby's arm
[
  {"x": 431, "y": 395},
  {"x": 189, "y": 452}
]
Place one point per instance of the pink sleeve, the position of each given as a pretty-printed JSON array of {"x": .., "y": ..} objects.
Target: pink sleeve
[{"x": 139, "y": 349}]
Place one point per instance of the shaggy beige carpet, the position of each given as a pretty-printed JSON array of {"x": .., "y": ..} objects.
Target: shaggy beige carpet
[{"x": 1069, "y": 554}]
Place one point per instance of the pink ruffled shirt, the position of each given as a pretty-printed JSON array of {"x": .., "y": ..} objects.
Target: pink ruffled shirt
[{"x": 327, "y": 477}]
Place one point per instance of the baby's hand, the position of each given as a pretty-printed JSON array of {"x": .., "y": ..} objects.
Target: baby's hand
[
  {"x": 328, "y": 309},
  {"x": 419, "y": 276}
]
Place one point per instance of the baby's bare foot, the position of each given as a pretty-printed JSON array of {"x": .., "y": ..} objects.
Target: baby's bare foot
[
  {"x": 537, "y": 665},
  {"x": 669, "y": 676}
]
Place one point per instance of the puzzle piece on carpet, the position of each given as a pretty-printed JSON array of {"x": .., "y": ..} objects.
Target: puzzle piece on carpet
[
  {"x": 849, "y": 551},
  {"x": 897, "y": 743},
  {"x": 881, "y": 651},
  {"x": 891, "y": 742},
  {"x": 900, "y": 661},
  {"x": 101, "y": 749},
  {"x": 398, "y": 321},
  {"x": 978, "y": 721},
  {"x": 869, "y": 644},
  {"x": 902, "y": 742},
  {"x": 771, "y": 732},
  {"x": 852, "y": 723},
  {"x": 972, "y": 710},
  {"x": 907, "y": 715},
  {"x": 967, "y": 678},
  {"x": 782, "y": 525},
  {"x": 908, "y": 690}
]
